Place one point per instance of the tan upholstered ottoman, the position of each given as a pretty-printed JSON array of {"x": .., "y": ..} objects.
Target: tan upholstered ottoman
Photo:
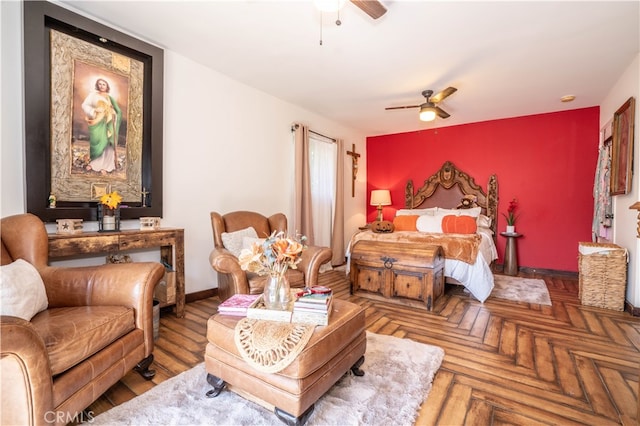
[{"x": 331, "y": 352}]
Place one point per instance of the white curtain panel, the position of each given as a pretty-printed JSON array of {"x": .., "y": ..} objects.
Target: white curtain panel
[{"x": 322, "y": 164}]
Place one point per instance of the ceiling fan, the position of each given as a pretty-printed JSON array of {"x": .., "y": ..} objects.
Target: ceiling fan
[
  {"x": 429, "y": 110},
  {"x": 373, "y": 8}
]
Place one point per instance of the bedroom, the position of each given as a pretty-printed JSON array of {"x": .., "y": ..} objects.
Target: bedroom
[
  {"x": 211, "y": 168},
  {"x": 216, "y": 159}
]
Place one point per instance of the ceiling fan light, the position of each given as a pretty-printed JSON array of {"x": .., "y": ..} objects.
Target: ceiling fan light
[
  {"x": 329, "y": 5},
  {"x": 427, "y": 113}
]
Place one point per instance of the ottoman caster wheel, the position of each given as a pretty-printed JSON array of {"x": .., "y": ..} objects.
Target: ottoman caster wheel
[
  {"x": 355, "y": 368},
  {"x": 218, "y": 386},
  {"x": 290, "y": 420}
]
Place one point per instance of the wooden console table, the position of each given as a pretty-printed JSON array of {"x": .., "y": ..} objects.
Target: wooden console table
[{"x": 170, "y": 241}]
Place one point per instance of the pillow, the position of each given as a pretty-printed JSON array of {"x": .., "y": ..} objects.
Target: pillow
[
  {"x": 232, "y": 241},
  {"x": 247, "y": 242},
  {"x": 405, "y": 222},
  {"x": 22, "y": 292},
  {"x": 483, "y": 221},
  {"x": 412, "y": 212},
  {"x": 474, "y": 212},
  {"x": 459, "y": 225},
  {"x": 426, "y": 223}
]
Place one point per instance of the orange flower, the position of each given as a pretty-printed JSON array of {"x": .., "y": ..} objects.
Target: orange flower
[{"x": 273, "y": 256}]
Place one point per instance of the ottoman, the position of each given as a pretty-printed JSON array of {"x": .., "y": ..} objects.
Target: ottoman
[{"x": 331, "y": 352}]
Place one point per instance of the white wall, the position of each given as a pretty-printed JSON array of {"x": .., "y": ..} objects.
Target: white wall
[
  {"x": 626, "y": 220},
  {"x": 227, "y": 147}
]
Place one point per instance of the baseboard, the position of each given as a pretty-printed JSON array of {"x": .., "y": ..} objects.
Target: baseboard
[
  {"x": 628, "y": 307},
  {"x": 499, "y": 267},
  {"x": 540, "y": 271},
  {"x": 199, "y": 295}
]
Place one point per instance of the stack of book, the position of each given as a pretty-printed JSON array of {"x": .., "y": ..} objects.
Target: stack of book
[
  {"x": 312, "y": 308},
  {"x": 237, "y": 305}
]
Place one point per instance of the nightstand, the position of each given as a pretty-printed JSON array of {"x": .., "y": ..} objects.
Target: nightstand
[{"x": 511, "y": 253}]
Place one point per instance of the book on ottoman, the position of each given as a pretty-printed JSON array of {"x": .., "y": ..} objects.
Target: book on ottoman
[{"x": 237, "y": 304}]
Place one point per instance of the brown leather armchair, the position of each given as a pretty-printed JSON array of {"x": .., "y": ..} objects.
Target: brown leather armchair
[
  {"x": 232, "y": 279},
  {"x": 98, "y": 325}
]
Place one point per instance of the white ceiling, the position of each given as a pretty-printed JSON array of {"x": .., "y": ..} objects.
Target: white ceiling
[{"x": 507, "y": 59}]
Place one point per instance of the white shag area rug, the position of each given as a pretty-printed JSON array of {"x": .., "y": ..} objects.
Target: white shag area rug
[
  {"x": 519, "y": 289},
  {"x": 397, "y": 380}
]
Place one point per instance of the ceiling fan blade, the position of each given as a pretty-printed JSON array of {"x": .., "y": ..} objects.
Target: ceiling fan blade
[
  {"x": 440, "y": 96},
  {"x": 403, "y": 107},
  {"x": 442, "y": 113},
  {"x": 373, "y": 8}
]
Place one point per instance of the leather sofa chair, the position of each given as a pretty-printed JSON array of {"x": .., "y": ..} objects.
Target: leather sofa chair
[
  {"x": 98, "y": 325},
  {"x": 232, "y": 279}
]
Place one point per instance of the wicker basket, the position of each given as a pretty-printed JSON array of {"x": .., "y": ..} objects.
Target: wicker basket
[{"x": 603, "y": 275}]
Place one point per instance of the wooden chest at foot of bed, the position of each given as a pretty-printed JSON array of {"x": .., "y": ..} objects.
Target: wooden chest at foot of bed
[{"x": 397, "y": 271}]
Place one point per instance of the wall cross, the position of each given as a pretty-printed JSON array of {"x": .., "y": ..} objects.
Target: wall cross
[{"x": 354, "y": 168}]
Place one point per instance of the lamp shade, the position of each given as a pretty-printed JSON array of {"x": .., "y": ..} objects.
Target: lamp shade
[
  {"x": 427, "y": 112},
  {"x": 380, "y": 197}
]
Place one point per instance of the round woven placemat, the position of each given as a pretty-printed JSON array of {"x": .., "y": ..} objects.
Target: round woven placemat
[{"x": 270, "y": 346}]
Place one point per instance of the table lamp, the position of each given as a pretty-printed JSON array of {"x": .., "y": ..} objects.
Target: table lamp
[{"x": 379, "y": 198}]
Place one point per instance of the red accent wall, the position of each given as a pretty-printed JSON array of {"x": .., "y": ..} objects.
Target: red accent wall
[{"x": 546, "y": 161}]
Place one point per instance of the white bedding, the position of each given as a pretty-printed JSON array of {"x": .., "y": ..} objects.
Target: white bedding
[{"x": 476, "y": 278}]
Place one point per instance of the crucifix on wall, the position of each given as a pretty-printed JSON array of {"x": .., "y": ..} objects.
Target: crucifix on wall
[{"x": 354, "y": 168}]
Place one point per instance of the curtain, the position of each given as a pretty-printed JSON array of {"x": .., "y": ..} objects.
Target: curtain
[
  {"x": 303, "y": 218},
  {"x": 319, "y": 181},
  {"x": 322, "y": 173}
]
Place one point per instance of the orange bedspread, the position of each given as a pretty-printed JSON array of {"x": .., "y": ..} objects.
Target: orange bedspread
[{"x": 463, "y": 247}]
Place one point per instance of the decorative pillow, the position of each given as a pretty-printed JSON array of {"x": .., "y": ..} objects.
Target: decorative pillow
[
  {"x": 474, "y": 212},
  {"x": 22, "y": 292},
  {"x": 412, "y": 212},
  {"x": 405, "y": 222},
  {"x": 232, "y": 241},
  {"x": 426, "y": 223},
  {"x": 247, "y": 242},
  {"x": 459, "y": 225},
  {"x": 483, "y": 221},
  {"x": 382, "y": 226}
]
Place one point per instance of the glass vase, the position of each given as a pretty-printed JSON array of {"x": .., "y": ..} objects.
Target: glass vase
[
  {"x": 108, "y": 219},
  {"x": 277, "y": 294}
]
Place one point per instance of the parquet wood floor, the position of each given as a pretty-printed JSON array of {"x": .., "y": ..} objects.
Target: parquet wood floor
[{"x": 505, "y": 363}]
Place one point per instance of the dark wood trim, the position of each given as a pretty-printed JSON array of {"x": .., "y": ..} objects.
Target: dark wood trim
[
  {"x": 634, "y": 311},
  {"x": 200, "y": 295},
  {"x": 539, "y": 271}
]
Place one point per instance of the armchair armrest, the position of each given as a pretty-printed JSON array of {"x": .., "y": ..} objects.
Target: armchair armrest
[
  {"x": 123, "y": 284},
  {"x": 312, "y": 258},
  {"x": 231, "y": 278},
  {"x": 26, "y": 385}
]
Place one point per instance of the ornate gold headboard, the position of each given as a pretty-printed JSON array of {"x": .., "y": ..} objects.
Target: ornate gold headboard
[{"x": 448, "y": 186}]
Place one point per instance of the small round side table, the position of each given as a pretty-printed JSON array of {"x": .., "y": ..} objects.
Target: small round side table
[{"x": 511, "y": 253}]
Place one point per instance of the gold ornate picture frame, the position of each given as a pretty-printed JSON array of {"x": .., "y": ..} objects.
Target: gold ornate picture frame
[
  {"x": 93, "y": 116},
  {"x": 622, "y": 149}
]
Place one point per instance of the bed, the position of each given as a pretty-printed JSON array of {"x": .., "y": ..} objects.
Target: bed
[{"x": 437, "y": 207}]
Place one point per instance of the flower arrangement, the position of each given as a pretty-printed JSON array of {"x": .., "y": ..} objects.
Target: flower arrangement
[
  {"x": 511, "y": 215},
  {"x": 274, "y": 255},
  {"x": 111, "y": 200}
]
